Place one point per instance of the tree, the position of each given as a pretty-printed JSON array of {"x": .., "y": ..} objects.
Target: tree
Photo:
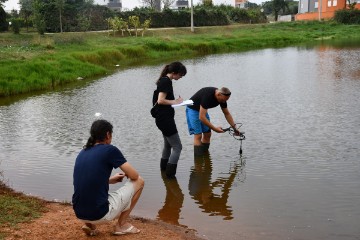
[
  {"x": 39, "y": 19},
  {"x": 167, "y": 3},
  {"x": 250, "y": 5},
  {"x": 4, "y": 26},
  {"x": 145, "y": 26},
  {"x": 117, "y": 24},
  {"x": 83, "y": 23},
  {"x": 154, "y": 4},
  {"x": 122, "y": 26},
  {"x": 60, "y": 7},
  {"x": 134, "y": 21},
  {"x": 109, "y": 24},
  {"x": 26, "y": 10},
  {"x": 351, "y": 5},
  {"x": 279, "y": 5},
  {"x": 208, "y": 3},
  {"x": 1, "y": 2},
  {"x": 267, "y": 7}
]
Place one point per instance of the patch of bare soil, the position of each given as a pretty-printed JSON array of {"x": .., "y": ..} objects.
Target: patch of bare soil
[{"x": 59, "y": 222}]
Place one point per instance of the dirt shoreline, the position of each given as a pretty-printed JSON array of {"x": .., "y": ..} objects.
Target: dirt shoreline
[{"x": 59, "y": 222}]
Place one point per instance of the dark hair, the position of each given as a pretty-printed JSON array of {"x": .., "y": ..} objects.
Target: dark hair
[
  {"x": 174, "y": 67},
  {"x": 98, "y": 132},
  {"x": 225, "y": 91}
]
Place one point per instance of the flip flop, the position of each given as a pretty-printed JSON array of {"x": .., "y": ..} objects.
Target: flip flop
[
  {"x": 89, "y": 231},
  {"x": 130, "y": 230}
]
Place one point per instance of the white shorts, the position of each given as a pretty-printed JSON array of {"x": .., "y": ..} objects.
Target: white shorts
[{"x": 119, "y": 201}]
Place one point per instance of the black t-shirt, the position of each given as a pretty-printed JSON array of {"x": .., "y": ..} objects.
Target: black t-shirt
[
  {"x": 206, "y": 98},
  {"x": 164, "y": 85}
]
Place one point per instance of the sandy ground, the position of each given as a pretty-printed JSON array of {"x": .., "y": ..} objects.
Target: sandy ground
[{"x": 59, "y": 222}]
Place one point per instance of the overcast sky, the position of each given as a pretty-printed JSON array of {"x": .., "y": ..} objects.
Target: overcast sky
[{"x": 129, "y": 4}]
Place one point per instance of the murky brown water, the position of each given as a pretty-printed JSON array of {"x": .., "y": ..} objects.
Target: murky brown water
[{"x": 298, "y": 176}]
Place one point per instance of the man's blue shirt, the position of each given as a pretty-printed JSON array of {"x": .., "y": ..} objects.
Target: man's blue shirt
[{"x": 92, "y": 171}]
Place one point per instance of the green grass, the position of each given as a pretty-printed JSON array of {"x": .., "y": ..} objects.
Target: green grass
[
  {"x": 30, "y": 62},
  {"x": 16, "y": 208}
]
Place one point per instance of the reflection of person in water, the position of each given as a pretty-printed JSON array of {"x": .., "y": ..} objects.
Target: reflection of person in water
[
  {"x": 170, "y": 212},
  {"x": 203, "y": 190}
]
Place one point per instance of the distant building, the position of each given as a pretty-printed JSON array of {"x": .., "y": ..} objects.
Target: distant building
[
  {"x": 115, "y": 5},
  {"x": 321, "y": 9},
  {"x": 181, "y": 4},
  {"x": 241, "y": 3}
]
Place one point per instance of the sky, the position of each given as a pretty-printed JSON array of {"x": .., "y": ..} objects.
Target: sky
[{"x": 127, "y": 4}]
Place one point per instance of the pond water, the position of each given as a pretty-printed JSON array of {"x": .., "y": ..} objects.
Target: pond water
[{"x": 298, "y": 176}]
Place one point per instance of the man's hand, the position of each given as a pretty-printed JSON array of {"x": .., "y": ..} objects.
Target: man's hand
[
  {"x": 120, "y": 176},
  {"x": 116, "y": 178},
  {"x": 236, "y": 132},
  {"x": 218, "y": 130}
]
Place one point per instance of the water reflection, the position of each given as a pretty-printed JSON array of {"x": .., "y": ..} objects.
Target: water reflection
[
  {"x": 174, "y": 199},
  {"x": 335, "y": 63},
  {"x": 212, "y": 196}
]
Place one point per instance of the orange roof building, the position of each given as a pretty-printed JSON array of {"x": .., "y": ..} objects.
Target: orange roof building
[{"x": 241, "y": 3}]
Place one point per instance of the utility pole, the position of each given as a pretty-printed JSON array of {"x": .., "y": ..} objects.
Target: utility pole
[
  {"x": 320, "y": 5},
  {"x": 192, "y": 16}
]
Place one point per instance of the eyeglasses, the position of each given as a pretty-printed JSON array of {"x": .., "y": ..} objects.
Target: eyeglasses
[{"x": 225, "y": 94}]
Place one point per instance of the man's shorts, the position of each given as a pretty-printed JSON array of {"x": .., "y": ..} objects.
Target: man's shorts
[
  {"x": 195, "y": 126},
  {"x": 119, "y": 201}
]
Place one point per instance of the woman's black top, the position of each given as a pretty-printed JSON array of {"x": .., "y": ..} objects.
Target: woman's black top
[
  {"x": 164, "y": 85},
  {"x": 165, "y": 113}
]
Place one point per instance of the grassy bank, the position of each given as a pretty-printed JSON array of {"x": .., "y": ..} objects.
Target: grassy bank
[
  {"x": 17, "y": 208},
  {"x": 29, "y": 62}
]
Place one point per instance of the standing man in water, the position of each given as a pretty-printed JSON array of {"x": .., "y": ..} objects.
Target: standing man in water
[
  {"x": 198, "y": 119},
  {"x": 92, "y": 201}
]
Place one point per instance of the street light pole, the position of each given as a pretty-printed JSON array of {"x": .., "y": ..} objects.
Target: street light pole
[{"x": 192, "y": 16}]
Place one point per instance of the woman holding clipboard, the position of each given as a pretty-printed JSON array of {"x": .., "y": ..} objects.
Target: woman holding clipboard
[{"x": 164, "y": 114}]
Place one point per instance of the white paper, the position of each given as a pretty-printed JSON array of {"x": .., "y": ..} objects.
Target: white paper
[{"x": 184, "y": 103}]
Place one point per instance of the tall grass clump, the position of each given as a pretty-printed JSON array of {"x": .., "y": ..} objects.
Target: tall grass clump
[
  {"x": 43, "y": 41},
  {"x": 101, "y": 57},
  {"x": 134, "y": 52},
  {"x": 43, "y": 73},
  {"x": 204, "y": 48},
  {"x": 162, "y": 46},
  {"x": 64, "y": 39}
]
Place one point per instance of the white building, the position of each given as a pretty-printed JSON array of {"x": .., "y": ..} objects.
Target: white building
[
  {"x": 115, "y": 5},
  {"x": 181, "y": 4}
]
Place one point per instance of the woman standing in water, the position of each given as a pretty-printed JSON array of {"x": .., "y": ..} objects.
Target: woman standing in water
[{"x": 164, "y": 115}]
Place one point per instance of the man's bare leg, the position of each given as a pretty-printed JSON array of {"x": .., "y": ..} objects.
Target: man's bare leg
[{"x": 138, "y": 185}]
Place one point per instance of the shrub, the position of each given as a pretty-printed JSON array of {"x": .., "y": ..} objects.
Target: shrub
[
  {"x": 15, "y": 25},
  {"x": 239, "y": 15},
  {"x": 180, "y": 18},
  {"x": 347, "y": 16}
]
